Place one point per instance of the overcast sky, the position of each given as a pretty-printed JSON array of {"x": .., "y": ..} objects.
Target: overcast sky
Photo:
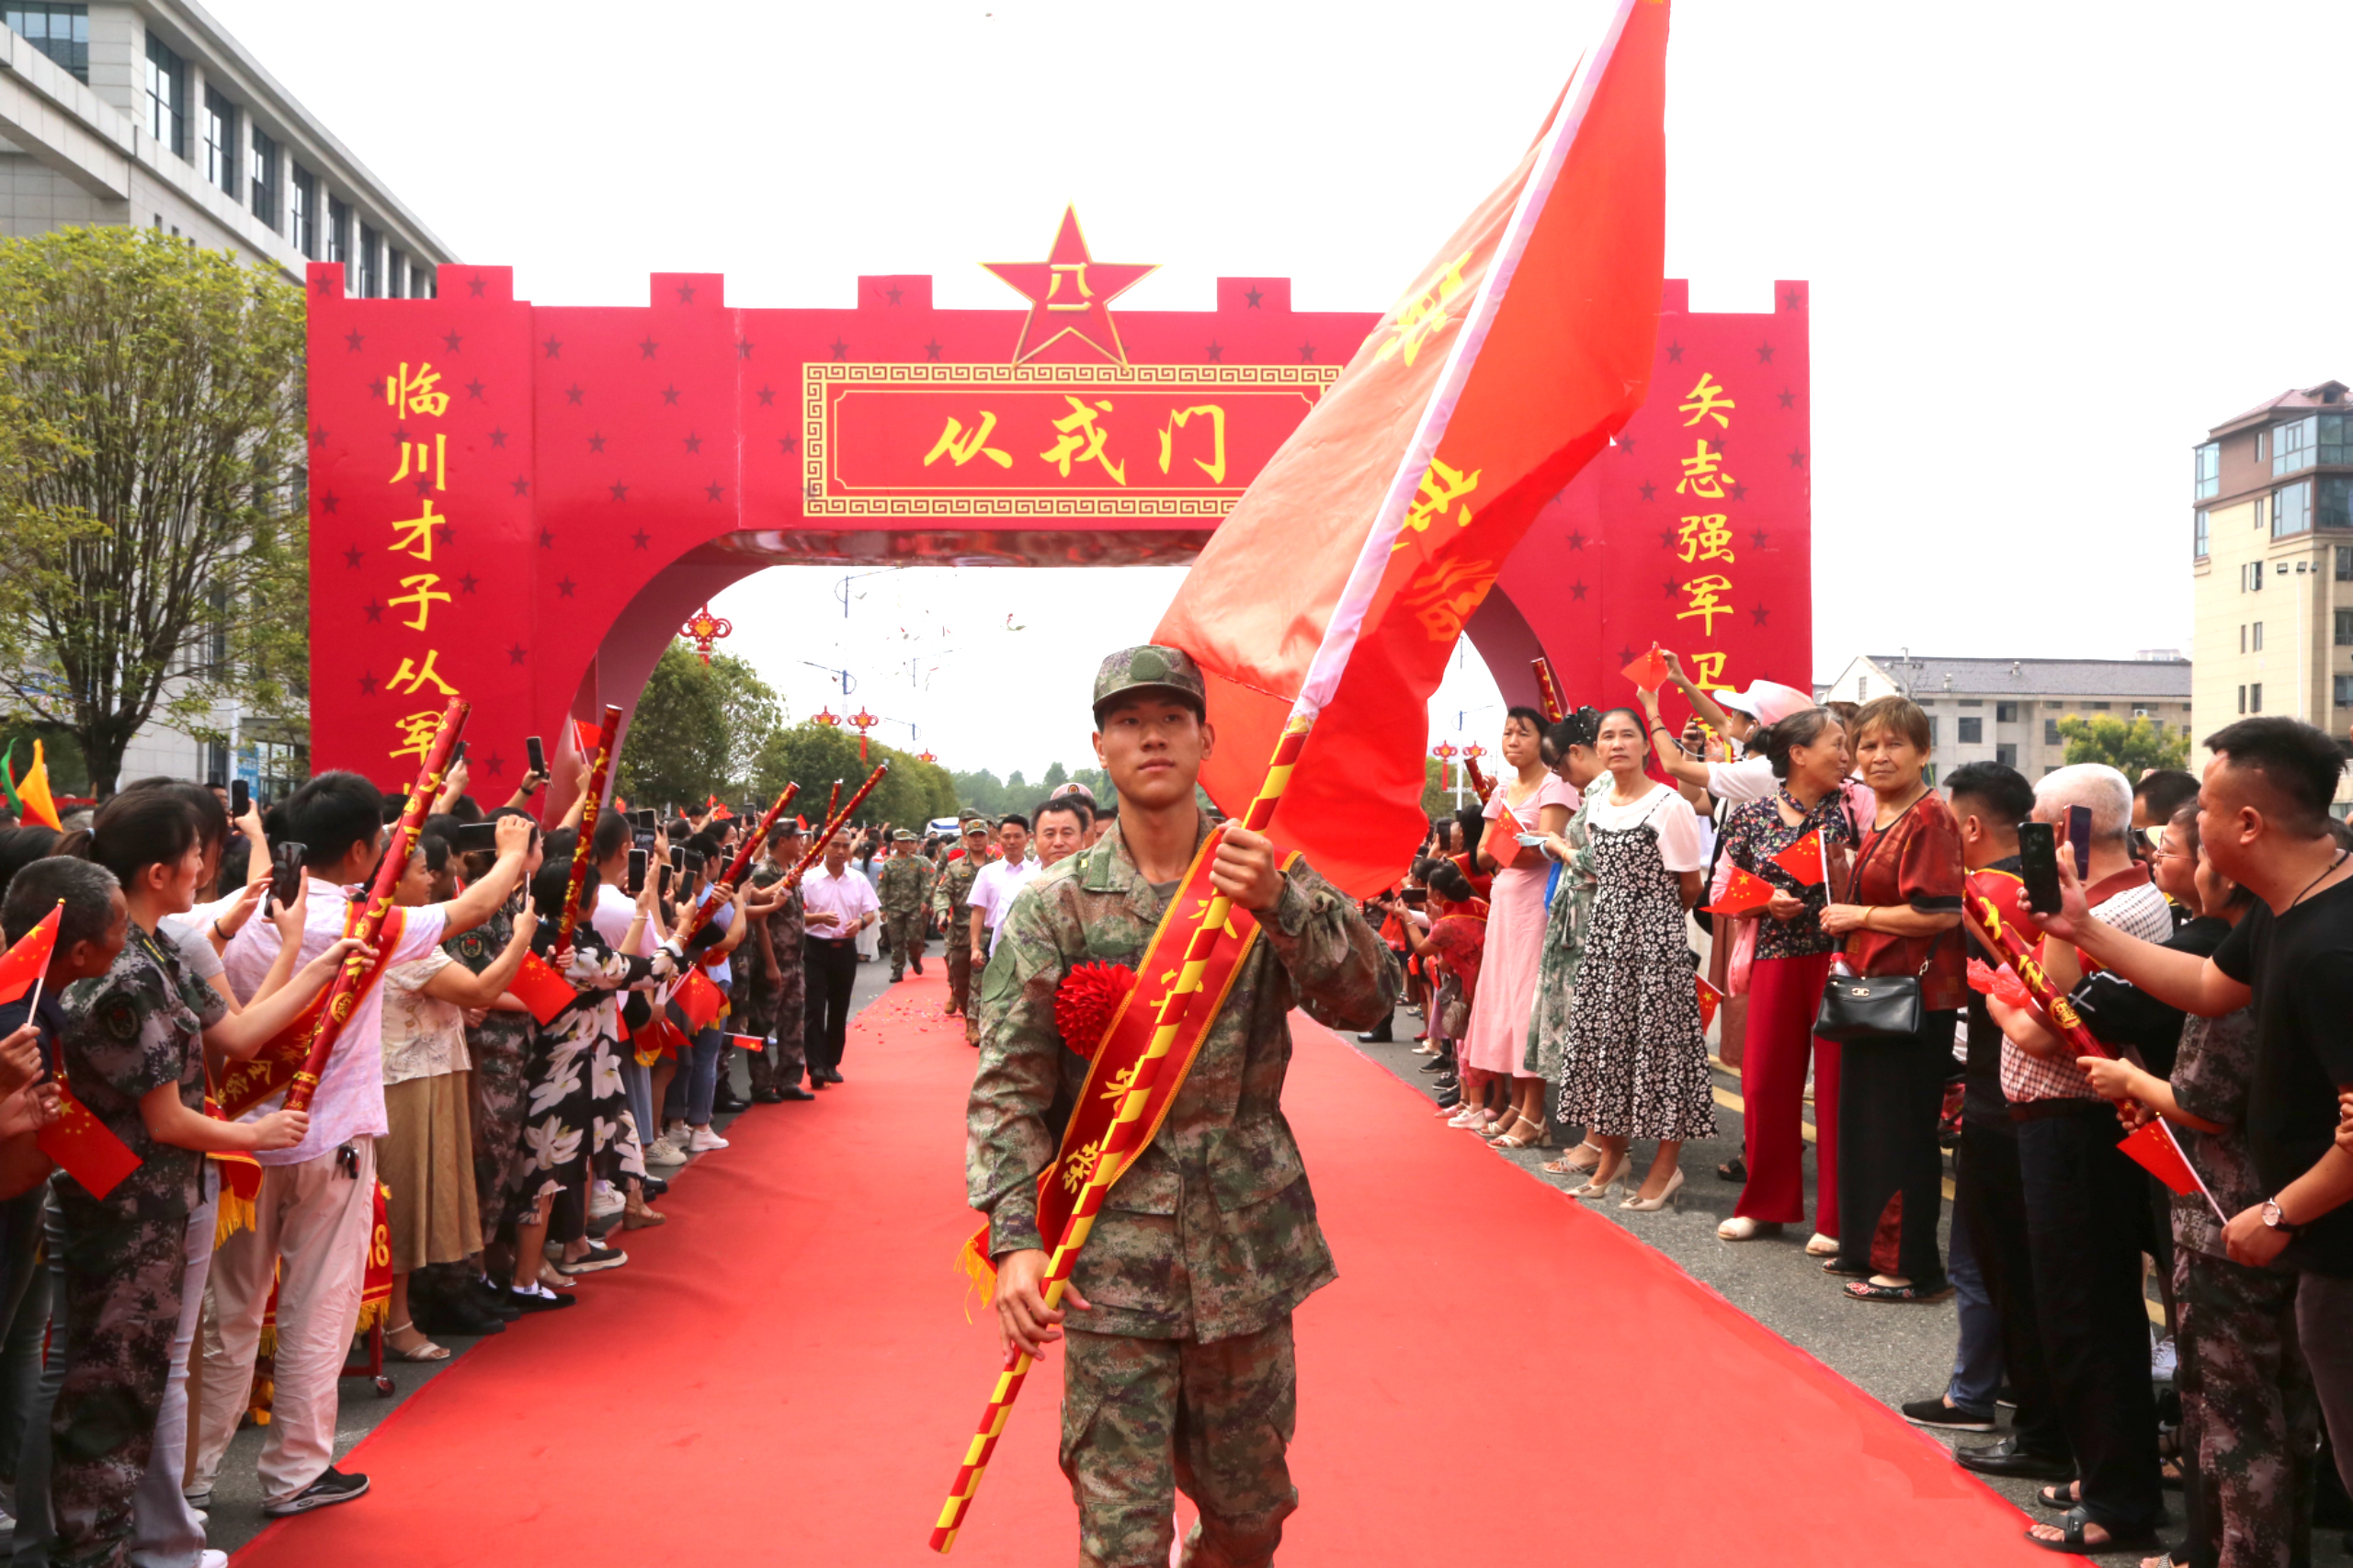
[{"x": 2049, "y": 244}]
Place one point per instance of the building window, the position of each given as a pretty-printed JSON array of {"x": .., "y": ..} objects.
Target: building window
[
  {"x": 261, "y": 177},
  {"x": 2006, "y": 755},
  {"x": 1862, "y": 688},
  {"x": 62, "y": 32},
  {"x": 220, "y": 121},
  {"x": 2291, "y": 510},
  {"x": 2344, "y": 628},
  {"x": 1934, "y": 724},
  {"x": 372, "y": 278},
  {"x": 2096, "y": 707},
  {"x": 2258, "y": 647},
  {"x": 2254, "y": 696},
  {"x": 166, "y": 96},
  {"x": 2209, "y": 471},
  {"x": 2242, "y": 698},
  {"x": 2315, "y": 438},
  {"x": 2335, "y": 507},
  {"x": 301, "y": 205},
  {"x": 2050, "y": 732},
  {"x": 2251, "y": 577},
  {"x": 2198, "y": 534},
  {"x": 2344, "y": 562},
  {"x": 2242, "y": 636},
  {"x": 396, "y": 269},
  {"x": 2006, "y": 713},
  {"x": 340, "y": 234},
  {"x": 1973, "y": 731},
  {"x": 2344, "y": 691}
]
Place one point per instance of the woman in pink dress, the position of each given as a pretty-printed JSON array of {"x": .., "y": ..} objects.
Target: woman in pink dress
[{"x": 1495, "y": 1050}]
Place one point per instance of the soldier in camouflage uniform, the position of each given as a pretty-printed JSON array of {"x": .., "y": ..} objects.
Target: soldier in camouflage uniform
[
  {"x": 903, "y": 889},
  {"x": 773, "y": 962},
  {"x": 1180, "y": 1371},
  {"x": 2250, "y": 1419},
  {"x": 955, "y": 901},
  {"x": 499, "y": 1045}
]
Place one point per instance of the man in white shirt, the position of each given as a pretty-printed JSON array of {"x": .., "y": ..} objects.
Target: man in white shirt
[
  {"x": 993, "y": 889},
  {"x": 316, "y": 1206},
  {"x": 838, "y": 904}
]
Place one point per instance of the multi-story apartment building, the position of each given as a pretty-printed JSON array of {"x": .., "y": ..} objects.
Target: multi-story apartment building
[
  {"x": 2272, "y": 548},
  {"x": 2007, "y": 710},
  {"x": 146, "y": 112}
]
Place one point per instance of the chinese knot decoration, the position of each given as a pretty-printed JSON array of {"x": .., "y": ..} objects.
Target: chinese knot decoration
[
  {"x": 926, "y": 756},
  {"x": 862, "y": 721},
  {"x": 1445, "y": 752},
  {"x": 826, "y": 717},
  {"x": 703, "y": 629}
]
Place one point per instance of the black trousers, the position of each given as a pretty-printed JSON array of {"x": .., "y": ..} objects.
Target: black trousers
[
  {"x": 1891, "y": 1096},
  {"x": 2087, "y": 1225},
  {"x": 831, "y": 969},
  {"x": 1990, "y": 1198}
]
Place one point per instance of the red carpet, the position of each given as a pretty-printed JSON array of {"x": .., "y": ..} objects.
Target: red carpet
[{"x": 784, "y": 1374}]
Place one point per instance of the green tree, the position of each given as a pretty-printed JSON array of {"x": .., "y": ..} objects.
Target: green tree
[
  {"x": 1056, "y": 776},
  {"x": 2132, "y": 747},
  {"x": 676, "y": 751},
  {"x": 814, "y": 754},
  {"x": 157, "y": 559}
]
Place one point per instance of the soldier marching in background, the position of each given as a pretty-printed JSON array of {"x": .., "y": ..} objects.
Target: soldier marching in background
[
  {"x": 955, "y": 899},
  {"x": 1180, "y": 1372},
  {"x": 779, "y": 996},
  {"x": 904, "y": 887}
]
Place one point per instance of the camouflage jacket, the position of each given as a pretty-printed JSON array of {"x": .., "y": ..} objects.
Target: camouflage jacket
[
  {"x": 778, "y": 938},
  {"x": 955, "y": 891},
  {"x": 1212, "y": 1232},
  {"x": 131, "y": 1030},
  {"x": 902, "y": 883}
]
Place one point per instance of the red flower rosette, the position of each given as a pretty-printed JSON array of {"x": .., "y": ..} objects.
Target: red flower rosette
[{"x": 1086, "y": 1001}]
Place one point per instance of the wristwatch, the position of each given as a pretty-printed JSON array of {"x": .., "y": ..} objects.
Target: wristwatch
[{"x": 2275, "y": 1219}]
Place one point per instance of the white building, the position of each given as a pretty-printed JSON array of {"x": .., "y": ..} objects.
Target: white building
[
  {"x": 150, "y": 114},
  {"x": 2007, "y": 710}
]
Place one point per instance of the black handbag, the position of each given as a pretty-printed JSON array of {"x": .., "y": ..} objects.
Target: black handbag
[{"x": 1871, "y": 1006}]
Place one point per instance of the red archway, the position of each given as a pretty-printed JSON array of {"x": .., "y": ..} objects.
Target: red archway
[{"x": 522, "y": 504}]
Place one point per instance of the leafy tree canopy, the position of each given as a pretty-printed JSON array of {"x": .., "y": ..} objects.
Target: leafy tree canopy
[{"x": 2132, "y": 747}]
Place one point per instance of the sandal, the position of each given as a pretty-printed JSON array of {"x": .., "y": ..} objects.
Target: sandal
[
  {"x": 1830, "y": 1264},
  {"x": 1521, "y": 1140},
  {"x": 1733, "y": 1169},
  {"x": 429, "y": 1351},
  {"x": 2071, "y": 1525},
  {"x": 2058, "y": 1498},
  {"x": 1567, "y": 1163},
  {"x": 1902, "y": 1295}
]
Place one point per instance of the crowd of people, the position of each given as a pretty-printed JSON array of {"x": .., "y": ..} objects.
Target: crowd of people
[
  {"x": 497, "y": 1146},
  {"x": 1553, "y": 940}
]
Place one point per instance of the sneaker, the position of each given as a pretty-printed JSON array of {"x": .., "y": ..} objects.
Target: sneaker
[
  {"x": 704, "y": 1141},
  {"x": 329, "y": 1489},
  {"x": 2165, "y": 1361},
  {"x": 1948, "y": 1418},
  {"x": 662, "y": 1152},
  {"x": 595, "y": 1259},
  {"x": 201, "y": 1498},
  {"x": 605, "y": 1200},
  {"x": 212, "y": 1557}
]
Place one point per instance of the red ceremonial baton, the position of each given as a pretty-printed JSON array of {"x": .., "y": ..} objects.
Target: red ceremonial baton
[
  {"x": 1127, "y": 1132},
  {"x": 701, "y": 911},
  {"x": 833, "y": 821},
  {"x": 1986, "y": 921},
  {"x": 343, "y": 991},
  {"x": 583, "y": 855}
]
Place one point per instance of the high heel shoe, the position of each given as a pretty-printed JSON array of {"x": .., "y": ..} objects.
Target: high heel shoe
[
  {"x": 1594, "y": 1191},
  {"x": 1641, "y": 1205},
  {"x": 1537, "y": 1136}
]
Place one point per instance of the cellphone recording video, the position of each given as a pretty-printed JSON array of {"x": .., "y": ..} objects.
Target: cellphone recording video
[
  {"x": 537, "y": 754},
  {"x": 458, "y": 756},
  {"x": 636, "y": 872},
  {"x": 2039, "y": 865},
  {"x": 474, "y": 837},
  {"x": 678, "y": 857},
  {"x": 285, "y": 871},
  {"x": 2079, "y": 839},
  {"x": 241, "y": 799}
]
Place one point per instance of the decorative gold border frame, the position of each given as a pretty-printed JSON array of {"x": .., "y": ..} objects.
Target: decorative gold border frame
[{"x": 819, "y": 376}]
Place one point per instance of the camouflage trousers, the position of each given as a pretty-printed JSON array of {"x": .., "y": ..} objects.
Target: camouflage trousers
[
  {"x": 904, "y": 933},
  {"x": 776, "y": 1008},
  {"x": 1143, "y": 1419},
  {"x": 122, "y": 1283},
  {"x": 500, "y": 1047},
  {"x": 2249, "y": 1418}
]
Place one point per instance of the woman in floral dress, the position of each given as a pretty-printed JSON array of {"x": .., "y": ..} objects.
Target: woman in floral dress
[{"x": 1568, "y": 751}]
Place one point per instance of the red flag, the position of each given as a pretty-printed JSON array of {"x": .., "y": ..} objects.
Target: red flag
[
  {"x": 84, "y": 1147},
  {"x": 538, "y": 987},
  {"x": 1804, "y": 860},
  {"x": 2154, "y": 1149},
  {"x": 28, "y": 960},
  {"x": 1337, "y": 588},
  {"x": 749, "y": 1042},
  {"x": 1648, "y": 672},
  {"x": 698, "y": 1002},
  {"x": 1745, "y": 895},
  {"x": 1709, "y": 1000}
]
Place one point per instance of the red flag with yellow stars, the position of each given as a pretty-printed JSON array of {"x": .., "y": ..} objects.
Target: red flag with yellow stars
[
  {"x": 28, "y": 960},
  {"x": 1745, "y": 895},
  {"x": 82, "y": 1146},
  {"x": 1335, "y": 590}
]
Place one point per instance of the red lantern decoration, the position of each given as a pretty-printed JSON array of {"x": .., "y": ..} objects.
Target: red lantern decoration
[
  {"x": 826, "y": 717},
  {"x": 703, "y": 629},
  {"x": 925, "y": 756},
  {"x": 862, "y": 721},
  {"x": 1445, "y": 752}
]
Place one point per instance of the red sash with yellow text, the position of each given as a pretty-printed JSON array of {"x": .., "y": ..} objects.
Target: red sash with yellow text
[
  {"x": 1112, "y": 1069},
  {"x": 247, "y": 1084}
]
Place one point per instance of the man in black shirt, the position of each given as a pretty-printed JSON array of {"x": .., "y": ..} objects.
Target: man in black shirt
[{"x": 2264, "y": 822}]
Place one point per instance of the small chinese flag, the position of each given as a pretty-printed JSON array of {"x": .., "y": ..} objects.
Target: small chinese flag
[
  {"x": 1746, "y": 893},
  {"x": 698, "y": 1001},
  {"x": 1649, "y": 671},
  {"x": 749, "y": 1042},
  {"x": 538, "y": 987},
  {"x": 717, "y": 809},
  {"x": 2154, "y": 1150},
  {"x": 1709, "y": 1000},
  {"x": 1502, "y": 845},
  {"x": 26, "y": 963},
  {"x": 31, "y": 794},
  {"x": 82, "y": 1146},
  {"x": 1805, "y": 860}
]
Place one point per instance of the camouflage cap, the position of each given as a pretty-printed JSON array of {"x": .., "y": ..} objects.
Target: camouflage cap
[
  {"x": 975, "y": 823},
  {"x": 902, "y": 836},
  {"x": 1151, "y": 667}
]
